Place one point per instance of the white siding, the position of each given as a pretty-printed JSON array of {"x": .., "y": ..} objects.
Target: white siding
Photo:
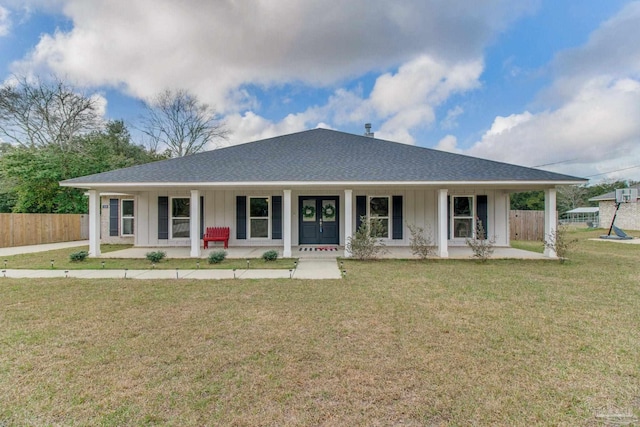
[{"x": 419, "y": 207}]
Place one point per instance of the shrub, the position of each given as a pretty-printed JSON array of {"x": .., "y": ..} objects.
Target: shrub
[
  {"x": 421, "y": 241},
  {"x": 156, "y": 256},
  {"x": 559, "y": 241},
  {"x": 270, "y": 255},
  {"x": 481, "y": 246},
  {"x": 365, "y": 244},
  {"x": 216, "y": 257},
  {"x": 78, "y": 256}
]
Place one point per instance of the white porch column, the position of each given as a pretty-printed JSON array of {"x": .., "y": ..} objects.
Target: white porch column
[
  {"x": 550, "y": 220},
  {"x": 94, "y": 223},
  {"x": 194, "y": 225},
  {"x": 286, "y": 219},
  {"x": 443, "y": 221},
  {"x": 348, "y": 219}
]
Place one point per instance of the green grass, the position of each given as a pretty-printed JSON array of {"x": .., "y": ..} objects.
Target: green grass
[
  {"x": 397, "y": 342},
  {"x": 60, "y": 257}
]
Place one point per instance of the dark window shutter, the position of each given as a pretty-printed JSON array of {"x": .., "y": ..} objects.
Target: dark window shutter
[
  {"x": 276, "y": 217},
  {"x": 241, "y": 217},
  {"x": 201, "y": 217},
  {"x": 163, "y": 217},
  {"x": 397, "y": 217},
  {"x": 113, "y": 217},
  {"x": 361, "y": 209},
  {"x": 482, "y": 211},
  {"x": 449, "y": 217}
]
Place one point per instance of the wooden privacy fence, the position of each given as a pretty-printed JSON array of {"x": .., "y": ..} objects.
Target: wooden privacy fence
[
  {"x": 526, "y": 225},
  {"x": 34, "y": 229}
]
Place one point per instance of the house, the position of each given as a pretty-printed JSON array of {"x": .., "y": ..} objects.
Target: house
[
  {"x": 588, "y": 216},
  {"x": 627, "y": 217},
  {"x": 310, "y": 188}
]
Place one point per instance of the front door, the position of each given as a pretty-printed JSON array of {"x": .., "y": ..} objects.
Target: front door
[{"x": 319, "y": 220}]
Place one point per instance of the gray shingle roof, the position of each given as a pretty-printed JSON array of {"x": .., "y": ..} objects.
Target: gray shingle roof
[
  {"x": 611, "y": 195},
  {"x": 321, "y": 155}
]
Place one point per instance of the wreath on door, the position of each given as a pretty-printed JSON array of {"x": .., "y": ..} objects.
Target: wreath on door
[
  {"x": 308, "y": 211},
  {"x": 329, "y": 211}
]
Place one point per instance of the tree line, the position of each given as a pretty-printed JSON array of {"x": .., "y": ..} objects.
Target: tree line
[
  {"x": 51, "y": 131},
  {"x": 568, "y": 197}
]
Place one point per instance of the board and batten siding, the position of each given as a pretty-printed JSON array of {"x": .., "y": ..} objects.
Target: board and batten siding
[
  {"x": 111, "y": 220},
  {"x": 418, "y": 207}
]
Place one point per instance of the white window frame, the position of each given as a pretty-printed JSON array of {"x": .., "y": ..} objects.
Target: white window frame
[
  {"x": 388, "y": 217},
  {"x": 171, "y": 217},
  {"x": 249, "y": 217},
  {"x": 123, "y": 217},
  {"x": 472, "y": 217}
]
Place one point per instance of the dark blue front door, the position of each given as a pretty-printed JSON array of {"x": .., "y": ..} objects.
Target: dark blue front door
[{"x": 319, "y": 220}]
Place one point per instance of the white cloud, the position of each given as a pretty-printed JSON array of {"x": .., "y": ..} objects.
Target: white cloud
[
  {"x": 448, "y": 143},
  {"x": 590, "y": 124},
  {"x": 600, "y": 124},
  {"x": 215, "y": 48},
  {"x": 612, "y": 50},
  {"x": 405, "y": 100},
  {"x": 5, "y": 22},
  {"x": 450, "y": 121},
  {"x": 251, "y": 127}
]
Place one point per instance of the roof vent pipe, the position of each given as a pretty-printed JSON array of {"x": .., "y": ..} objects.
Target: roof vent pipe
[{"x": 367, "y": 130}]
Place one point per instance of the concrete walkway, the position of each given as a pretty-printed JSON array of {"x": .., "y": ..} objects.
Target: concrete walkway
[
  {"x": 17, "y": 250},
  {"x": 307, "y": 269}
]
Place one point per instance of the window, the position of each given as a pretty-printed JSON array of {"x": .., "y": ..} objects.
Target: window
[
  {"x": 127, "y": 217},
  {"x": 180, "y": 217},
  {"x": 379, "y": 212},
  {"x": 462, "y": 221},
  {"x": 259, "y": 217}
]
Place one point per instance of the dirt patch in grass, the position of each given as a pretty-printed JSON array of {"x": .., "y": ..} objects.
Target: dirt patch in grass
[{"x": 395, "y": 343}]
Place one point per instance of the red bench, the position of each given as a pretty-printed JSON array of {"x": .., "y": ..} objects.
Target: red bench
[{"x": 216, "y": 234}]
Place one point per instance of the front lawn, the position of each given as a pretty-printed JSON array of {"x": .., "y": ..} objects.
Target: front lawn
[{"x": 441, "y": 342}]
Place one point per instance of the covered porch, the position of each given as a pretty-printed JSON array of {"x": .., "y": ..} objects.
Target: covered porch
[{"x": 283, "y": 220}]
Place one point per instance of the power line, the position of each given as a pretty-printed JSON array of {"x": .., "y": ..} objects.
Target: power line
[
  {"x": 617, "y": 170},
  {"x": 554, "y": 163}
]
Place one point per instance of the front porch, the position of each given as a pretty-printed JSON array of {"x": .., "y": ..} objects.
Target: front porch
[{"x": 244, "y": 252}]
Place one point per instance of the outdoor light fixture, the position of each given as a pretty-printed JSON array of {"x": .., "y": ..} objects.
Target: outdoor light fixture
[
  {"x": 290, "y": 274},
  {"x": 176, "y": 273},
  {"x": 295, "y": 264},
  {"x": 234, "y": 273},
  {"x": 52, "y": 264},
  {"x": 66, "y": 273},
  {"x": 5, "y": 263},
  {"x": 102, "y": 264},
  {"x": 125, "y": 272},
  {"x": 198, "y": 265},
  {"x": 153, "y": 265},
  {"x": 247, "y": 264},
  {"x": 341, "y": 265},
  {"x": 4, "y": 272}
]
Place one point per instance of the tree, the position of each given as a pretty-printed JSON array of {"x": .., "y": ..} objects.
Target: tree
[
  {"x": 7, "y": 183},
  {"x": 178, "y": 122},
  {"x": 528, "y": 201},
  {"x": 36, "y": 171},
  {"x": 571, "y": 197},
  {"x": 36, "y": 113}
]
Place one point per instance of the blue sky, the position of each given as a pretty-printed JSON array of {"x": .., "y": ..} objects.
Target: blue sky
[{"x": 530, "y": 82}]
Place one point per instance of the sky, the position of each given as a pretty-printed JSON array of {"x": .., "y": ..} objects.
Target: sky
[{"x": 553, "y": 84}]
